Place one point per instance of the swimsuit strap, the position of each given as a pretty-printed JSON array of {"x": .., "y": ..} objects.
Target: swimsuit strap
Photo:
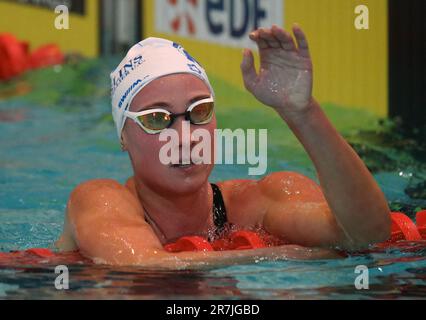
[{"x": 219, "y": 211}]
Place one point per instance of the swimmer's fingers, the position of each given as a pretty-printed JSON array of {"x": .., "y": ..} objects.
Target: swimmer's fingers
[
  {"x": 248, "y": 70},
  {"x": 261, "y": 43},
  {"x": 285, "y": 39},
  {"x": 267, "y": 36},
  {"x": 277, "y": 37},
  {"x": 301, "y": 41}
]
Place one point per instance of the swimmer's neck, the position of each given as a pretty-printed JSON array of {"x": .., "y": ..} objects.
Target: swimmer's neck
[{"x": 177, "y": 215}]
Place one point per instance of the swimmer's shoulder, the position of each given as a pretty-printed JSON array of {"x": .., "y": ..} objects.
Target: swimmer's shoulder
[
  {"x": 290, "y": 186},
  {"x": 97, "y": 187},
  {"x": 246, "y": 200},
  {"x": 102, "y": 196},
  {"x": 94, "y": 184},
  {"x": 89, "y": 202},
  {"x": 106, "y": 222},
  {"x": 274, "y": 186}
]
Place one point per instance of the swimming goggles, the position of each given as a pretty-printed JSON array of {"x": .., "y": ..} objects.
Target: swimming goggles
[{"x": 153, "y": 121}]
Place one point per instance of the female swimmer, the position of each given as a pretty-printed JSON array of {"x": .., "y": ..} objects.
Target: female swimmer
[{"x": 159, "y": 85}]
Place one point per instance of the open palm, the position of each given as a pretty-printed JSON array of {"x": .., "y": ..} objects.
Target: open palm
[{"x": 284, "y": 80}]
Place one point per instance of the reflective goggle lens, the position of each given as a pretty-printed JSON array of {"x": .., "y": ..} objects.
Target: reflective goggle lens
[
  {"x": 202, "y": 113},
  {"x": 155, "y": 120}
]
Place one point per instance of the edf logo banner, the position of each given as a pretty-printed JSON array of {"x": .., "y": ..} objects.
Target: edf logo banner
[{"x": 226, "y": 22}]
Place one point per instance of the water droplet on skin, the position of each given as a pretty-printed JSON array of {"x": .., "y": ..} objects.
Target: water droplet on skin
[
  {"x": 273, "y": 86},
  {"x": 286, "y": 191}
]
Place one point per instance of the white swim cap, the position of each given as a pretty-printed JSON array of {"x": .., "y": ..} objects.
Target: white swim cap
[{"x": 146, "y": 61}]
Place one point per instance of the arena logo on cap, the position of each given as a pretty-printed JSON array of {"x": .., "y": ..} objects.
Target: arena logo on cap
[
  {"x": 124, "y": 71},
  {"x": 226, "y": 22}
]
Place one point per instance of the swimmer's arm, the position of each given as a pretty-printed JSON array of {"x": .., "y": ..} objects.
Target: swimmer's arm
[
  {"x": 354, "y": 212},
  {"x": 135, "y": 246},
  {"x": 107, "y": 225},
  {"x": 352, "y": 194},
  {"x": 285, "y": 83}
]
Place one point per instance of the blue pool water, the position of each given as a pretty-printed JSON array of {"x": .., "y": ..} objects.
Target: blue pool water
[{"x": 60, "y": 133}]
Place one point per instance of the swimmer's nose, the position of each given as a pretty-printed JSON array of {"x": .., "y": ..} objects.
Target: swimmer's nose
[
  {"x": 184, "y": 129},
  {"x": 187, "y": 143}
]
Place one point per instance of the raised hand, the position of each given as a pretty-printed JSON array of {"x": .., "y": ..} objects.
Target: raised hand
[{"x": 284, "y": 80}]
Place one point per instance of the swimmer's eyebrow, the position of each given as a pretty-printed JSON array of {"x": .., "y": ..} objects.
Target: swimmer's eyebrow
[{"x": 166, "y": 106}]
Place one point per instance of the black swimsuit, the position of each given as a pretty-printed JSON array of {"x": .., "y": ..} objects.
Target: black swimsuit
[{"x": 219, "y": 210}]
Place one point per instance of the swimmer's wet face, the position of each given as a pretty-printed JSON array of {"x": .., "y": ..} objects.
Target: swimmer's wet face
[{"x": 174, "y": 93}]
